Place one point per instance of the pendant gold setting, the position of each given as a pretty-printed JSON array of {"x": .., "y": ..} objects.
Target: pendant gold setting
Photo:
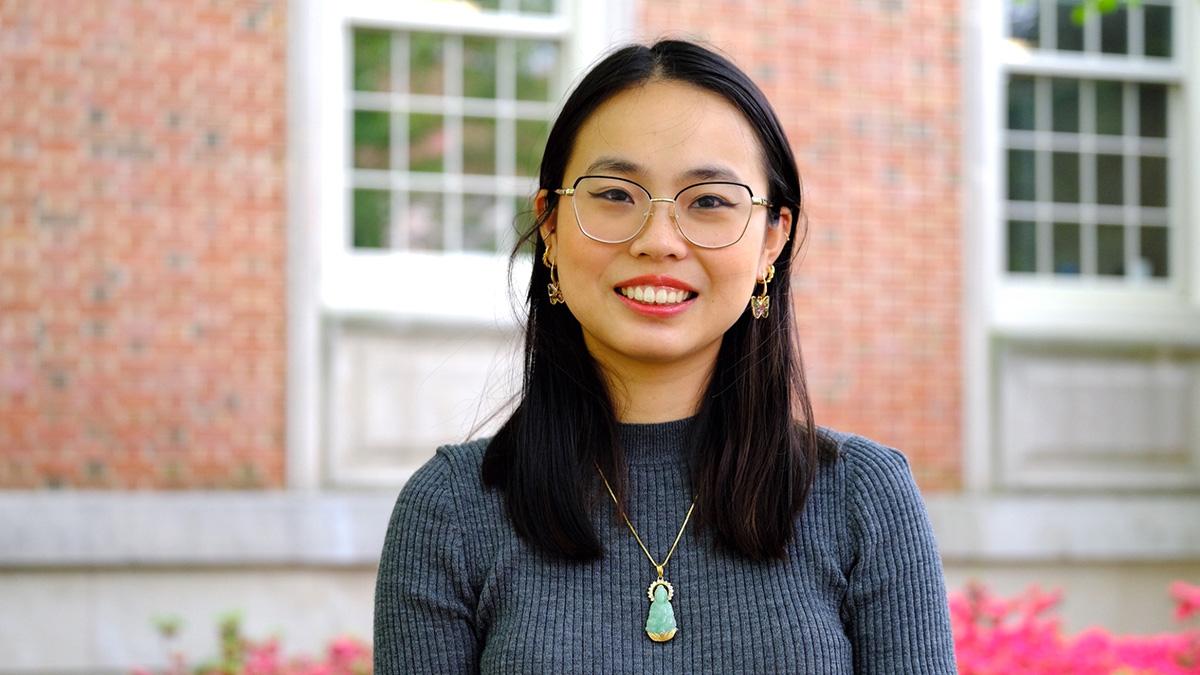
[{"x": 657, "y": 583}]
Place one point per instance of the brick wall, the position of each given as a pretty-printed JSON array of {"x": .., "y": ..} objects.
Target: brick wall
[
  {"x": 869, "y": 93},
  {"x": 142, "y": 239},
  {"x": 142, "y": 228}
]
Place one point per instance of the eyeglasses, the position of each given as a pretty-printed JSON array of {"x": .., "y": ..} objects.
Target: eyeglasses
[{"x": 615, "y": 210}]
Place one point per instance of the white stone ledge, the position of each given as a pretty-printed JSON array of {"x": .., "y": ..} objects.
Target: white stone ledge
[
  {"x": 105, "y": 529},
  {"x": 1035, "y": 528},
  {"x": 74, "y": 529}
]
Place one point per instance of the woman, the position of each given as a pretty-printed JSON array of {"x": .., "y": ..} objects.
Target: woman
[{"x": 660, "y": 500}]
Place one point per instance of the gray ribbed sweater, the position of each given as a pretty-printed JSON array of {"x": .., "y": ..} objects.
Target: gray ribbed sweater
[{"x": 860, "y": 592}]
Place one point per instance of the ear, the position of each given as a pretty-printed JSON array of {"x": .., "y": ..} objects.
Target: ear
[
  {"x": 550, "y": 225},
  {"x": 777, "y": 237}
]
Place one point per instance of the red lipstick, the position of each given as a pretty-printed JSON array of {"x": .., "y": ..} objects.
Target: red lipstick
[{"x": 656, "y": 280}]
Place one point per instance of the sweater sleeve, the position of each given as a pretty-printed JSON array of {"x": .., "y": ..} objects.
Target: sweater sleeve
[
  {"x": 896, "y": 610},
  {"x": 424, "y": 621}
]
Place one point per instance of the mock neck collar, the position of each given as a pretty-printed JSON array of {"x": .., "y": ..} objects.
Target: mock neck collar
[{"x": 655, "y": 442}]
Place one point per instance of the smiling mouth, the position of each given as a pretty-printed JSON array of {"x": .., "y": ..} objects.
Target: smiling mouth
[{"x": 655, "y": 295}]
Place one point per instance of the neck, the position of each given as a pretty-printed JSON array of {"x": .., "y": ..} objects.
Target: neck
[{"x": 645, "y": 393}]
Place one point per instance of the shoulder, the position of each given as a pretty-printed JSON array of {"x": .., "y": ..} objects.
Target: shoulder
[
  {"x": 877, "y": 487},
  {"x": 462, "y": 459},
  {"x": 865, "y": 461},
  {"x": 447, "y": 481},
  {"x": 450, "y": 468}
]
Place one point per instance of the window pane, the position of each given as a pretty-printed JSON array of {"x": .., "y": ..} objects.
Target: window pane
[
  {"x": 479, "y": 145},
  {"x": 1023, "y": 22},
  {"x": 536, "y": 63},
  {"x": 479, "y": 223},
  {"x": 1021, "y": 176},
  {"x": 1110, "y": 179},
  {"x": 371, "y": 217},
  {"x": 372, "y": 60},
  {"x": 1020, "y": 102},
  {"x": 523, "y": 220},
  {"x": 1070, "y": 34},
  {"x": 531, "y": 139},
  {"x": 426, "y": 142},
  {"x": 424, "y": 219},
  {"x": 537, "y": 6},
  {"x": 1110, "y": 249},
  {"x": 1109, "y": 113},
  {"x": 479, "y": 67},
  {"x": 485, "y": 4},
  {"x": 1154, "y": 181},
  {"x": 434, "y": 136},
  {"x": 1114, "y": 32},
  {"x": 1158, "y": 30},
  {"x": 426, "y": 63},
  {"x": 1066, "y": 177},
  {"x": 1066, "y": 248},
  {"x": 1022, "y": 246},
  {"x": 1154, "y": 251},
  {"x": 371, "y": 139},
  {"x": 1066, "y": 104},
  {"x": 1152, "y": 99}
]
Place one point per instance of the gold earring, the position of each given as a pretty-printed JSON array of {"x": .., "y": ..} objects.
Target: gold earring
[
  {"x": 760, "y": 305},
  {"x": 552, "y": 289}
]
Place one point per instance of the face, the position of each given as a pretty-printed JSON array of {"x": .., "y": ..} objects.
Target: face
[{"x": 664, "y": 135}]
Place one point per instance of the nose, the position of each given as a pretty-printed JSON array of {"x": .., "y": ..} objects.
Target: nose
[{"x": 659, "y": 237}]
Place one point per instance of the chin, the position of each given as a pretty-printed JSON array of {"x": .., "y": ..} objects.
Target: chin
[{"x": 659, "y": 355}]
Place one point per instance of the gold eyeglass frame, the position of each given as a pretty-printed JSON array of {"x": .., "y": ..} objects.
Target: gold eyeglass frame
[{"x": 754, "y": 201}]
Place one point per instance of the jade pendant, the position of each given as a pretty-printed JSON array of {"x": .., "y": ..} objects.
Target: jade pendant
[{"x": 660, "y": 622}]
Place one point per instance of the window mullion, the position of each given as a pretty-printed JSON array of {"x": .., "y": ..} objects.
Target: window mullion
[
  {"x": 1049, "y": 23},
  {"x": 1088, "y": 251},
  {"x": 506, "y": 140},
  {"x": 1043, "y": 174},
  {"x": 1132, "y": 187},
  {"x": 1096, "y": 66},
  {"x": 452, "y": 159},
  {"x": 1091, "y": 36},
  {"x": 1137, "y": 32},
  {"x": 398, "y": 227},
  {"x": 466, "y": 22}
]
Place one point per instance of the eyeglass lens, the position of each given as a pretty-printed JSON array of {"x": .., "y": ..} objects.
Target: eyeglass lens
[{"x": 708, "y": 214}]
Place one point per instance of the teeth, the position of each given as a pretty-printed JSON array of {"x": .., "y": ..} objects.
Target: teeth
[{"x": 655, "y": 295}]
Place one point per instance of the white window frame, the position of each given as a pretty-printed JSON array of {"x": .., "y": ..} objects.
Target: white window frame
[
  {"x": 997, "y": 305},
  {"x": 1160, "y": 311},
  {"x": 327, "y": 280},
  {"x": 427, "y": 286}
]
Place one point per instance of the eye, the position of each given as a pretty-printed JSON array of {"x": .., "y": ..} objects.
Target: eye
[
  {"x": 615, "y": 195},
  {"x": 711, "y": 201}
]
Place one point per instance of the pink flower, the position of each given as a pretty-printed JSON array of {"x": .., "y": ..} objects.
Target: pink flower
[
  {"x": 1021, "y": 635},
  {"x": 1187, "y": 599},
  {"x": 262, "y": 659}
]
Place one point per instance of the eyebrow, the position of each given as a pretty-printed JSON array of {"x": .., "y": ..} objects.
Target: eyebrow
[
  {"x": 624, "y": 166},
  {"x": 614, "y": 165}
]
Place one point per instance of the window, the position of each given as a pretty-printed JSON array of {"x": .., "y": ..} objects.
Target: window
[
  {"x": 432, "y": 118},
  {"x": 1083, "y": 324},
  {"x": 1094, "y": 153},
  {"x": 1090, "y": 141},
  {"x": 416, "y": 130},
  {"x": 448, "y": 135}
]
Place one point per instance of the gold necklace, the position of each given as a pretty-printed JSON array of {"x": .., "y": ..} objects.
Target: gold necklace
[{"x": 660, "y": 621}]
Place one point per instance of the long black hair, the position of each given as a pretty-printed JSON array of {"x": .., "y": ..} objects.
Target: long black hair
[{"x": 754, "y": 445}]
